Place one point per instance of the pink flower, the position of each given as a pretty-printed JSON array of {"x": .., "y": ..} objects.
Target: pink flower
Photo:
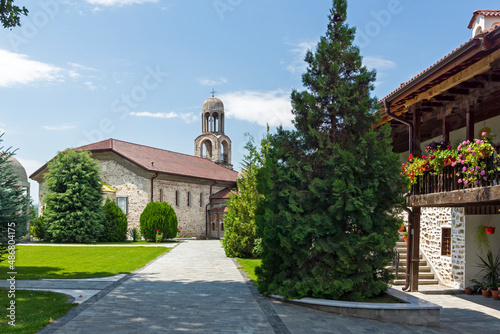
[
  {"x": 453, "y": 164},
  {"x": 477, "y": 167},
  {"x": 465, "y": 182},
  {"x": 459, "y": 180},
  {"x": 483, "y": 172},
  {"x": 485, "y": 178},
  {"x": 464, "y": 169},
  {"x": 483, "y": 134},
  {"x": 478, "y": 142},
  {"x": 475, "y": 182}
]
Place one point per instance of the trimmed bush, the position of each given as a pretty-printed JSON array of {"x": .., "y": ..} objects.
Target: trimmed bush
[
  {"x": 115, "y": 223},
  {"x": 158, "y": 216}
]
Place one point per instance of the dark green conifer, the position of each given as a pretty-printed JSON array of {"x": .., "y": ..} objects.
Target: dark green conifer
[{"x": 332, "y": 186}]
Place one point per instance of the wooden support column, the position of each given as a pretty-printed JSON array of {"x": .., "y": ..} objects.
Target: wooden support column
[
  {"x": 469, "y": 120},
  {"x": 417, "y": 120},
  {"x": 446, "y": 130},
  {"x": 415, "y": 260}
]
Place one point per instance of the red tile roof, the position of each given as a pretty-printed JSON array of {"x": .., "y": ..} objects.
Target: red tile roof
[
  {"x": 223, "y": 194},
  {"x": 163, "y": 161},
  {"x": 485, "y": 12}
]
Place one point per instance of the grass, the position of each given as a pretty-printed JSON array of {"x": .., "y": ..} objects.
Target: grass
[
  {"x": 34, "y": 310},
  {"x": 129, "y": 242},
  {"x": 35, "y": 262},
  {"x": 249, "y": 265}
]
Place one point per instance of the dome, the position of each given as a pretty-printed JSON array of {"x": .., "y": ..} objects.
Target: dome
[
  {"x": 20, "y": 172},
  {"x": 212, "y": 104}
]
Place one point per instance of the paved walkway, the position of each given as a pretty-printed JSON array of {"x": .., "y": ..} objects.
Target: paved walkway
[{"x": 195, "y": 289}]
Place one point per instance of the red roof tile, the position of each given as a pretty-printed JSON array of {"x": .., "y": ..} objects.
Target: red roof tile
[
  {"x": 223, "y": 194},
  {"x": 163, "y": 161},
  {"x": 485, "y": 12}
]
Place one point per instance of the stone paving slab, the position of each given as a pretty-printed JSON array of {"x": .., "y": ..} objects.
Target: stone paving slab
[{"x": 196, "y": 289}]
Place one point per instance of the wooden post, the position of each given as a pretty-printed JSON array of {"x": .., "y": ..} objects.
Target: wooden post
[
  {"x": 415, "y": 261},
  {"x": 417, "y": 115},
  {"x": 469, "y": 120},
  {"x": 446, "y": 130}
]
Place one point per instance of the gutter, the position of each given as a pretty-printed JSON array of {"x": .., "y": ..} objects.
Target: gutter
[{"x": 152, "y": 192}]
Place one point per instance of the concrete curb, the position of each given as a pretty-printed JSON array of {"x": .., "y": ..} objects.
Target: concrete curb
[{"x": 413, "y": 311}]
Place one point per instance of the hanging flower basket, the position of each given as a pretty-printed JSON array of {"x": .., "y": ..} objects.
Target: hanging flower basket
[{"x": 490, "y": 230}]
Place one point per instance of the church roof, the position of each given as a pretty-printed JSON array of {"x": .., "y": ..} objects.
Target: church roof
[
  {"x": 161, "y": 161},
  {"x": 223, "y": 194}
]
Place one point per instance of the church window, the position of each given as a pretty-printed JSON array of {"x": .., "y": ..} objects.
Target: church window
[
  {"x": 122, "y": 203},
  {"x": 201, "y": 200},
  {"x": 189, "y": 198},
  {"x": 177, "y": 197},
  {"x": 162, "y": 199},
  {"x": 222, "y": 226},
  {"x": 446, "y": 241}
]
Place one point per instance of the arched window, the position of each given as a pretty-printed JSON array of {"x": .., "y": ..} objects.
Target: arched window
[
  {"x": 224, "y": 152},
  {"x": 201, "y": 200},
  {"x": 177, "y": 197},
  {"x": 206, "y": 149},
  {"x": 189, "y": 198}
]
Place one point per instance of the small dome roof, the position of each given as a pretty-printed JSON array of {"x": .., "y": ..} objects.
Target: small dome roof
[
  {"x": 212, "y": 104},
  {"x": 19, "y": 171}
]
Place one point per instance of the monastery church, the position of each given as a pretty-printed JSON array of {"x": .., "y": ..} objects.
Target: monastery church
[{"x": 197, "y": 187}]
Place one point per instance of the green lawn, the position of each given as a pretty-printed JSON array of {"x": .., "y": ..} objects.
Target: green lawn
[
  {"x": 129, "y": 242},
  {"x": 33, "y": 310},
  {"x": 248, "y": 266},
  {"x": 34, "y": 262}
]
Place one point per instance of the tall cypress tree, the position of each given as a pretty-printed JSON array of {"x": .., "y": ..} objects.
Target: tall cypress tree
[
  {"x": 331, "y": 186},
  {"x": 13, "y": 202},
  {"x": 74, "y": 210}
]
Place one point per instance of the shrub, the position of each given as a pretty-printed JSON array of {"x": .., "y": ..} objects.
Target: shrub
[
  {"x": 115, "y": 223},
  {"x": 158, "y": 216},
  {"x": 39, "y": 228},
  {"x": 135, "y": 234}
]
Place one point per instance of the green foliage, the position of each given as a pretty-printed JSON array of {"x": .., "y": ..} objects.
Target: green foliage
[
  {"x": 39, "y": 228},
  {"x": 240, "y": 234},
  {"x": 74, "y": 198},
  {"x": 10, "y": 14},
  {"x": 115, "y": 223},
  {"x": 135, "y": 234},
  {"x": 481, "y": 237},
  {"x": 490, "y": 268},
  {"x": 331, "y": 188},
  {"x": 158, "y": 216},
  {"x": 13, "y": 202}
]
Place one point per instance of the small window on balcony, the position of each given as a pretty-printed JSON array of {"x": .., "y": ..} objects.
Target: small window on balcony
[{"x": 446, "y": 241}]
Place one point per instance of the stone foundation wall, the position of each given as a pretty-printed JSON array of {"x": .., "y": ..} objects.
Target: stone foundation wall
[{"x": 449, "y": 269}]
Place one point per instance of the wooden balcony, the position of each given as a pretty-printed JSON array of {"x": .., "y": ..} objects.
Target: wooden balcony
[{"x": 445, "y": 190}]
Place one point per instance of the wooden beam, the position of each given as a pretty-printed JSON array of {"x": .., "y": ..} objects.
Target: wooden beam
[
  {"x": 469, "y": 123},
  {"x": 446, "y": 129},
  {"x": 417, "y": 122},
  {"x": 415, "y": 254},
  {"x": 457, "y": 198},
  {"x": 477, "y": 68}
]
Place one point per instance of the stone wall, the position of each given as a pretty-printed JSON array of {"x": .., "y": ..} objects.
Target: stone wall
[{"x": 449, "y": 269}]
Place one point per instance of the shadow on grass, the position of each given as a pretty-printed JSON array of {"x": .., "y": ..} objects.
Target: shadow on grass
[{"x": 35, "y": 273}]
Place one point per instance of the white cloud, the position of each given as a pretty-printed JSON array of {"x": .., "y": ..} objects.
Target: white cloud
[
  {"x": 378, "y": 63},
  {"x": 188, "y": 118},
  {"x": 59, "y": 127},
  {"x": 17, "y": 69},
  {"x": 269, "y": 107},
  {"x": 298, "y": 65},
  {"x": 210, "y": 82},
  {"x": 120, "y": 3},
  {"x": 90, "y": 85}
]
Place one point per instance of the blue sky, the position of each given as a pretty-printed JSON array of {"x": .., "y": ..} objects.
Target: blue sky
[{"x": 139, "y": 70}]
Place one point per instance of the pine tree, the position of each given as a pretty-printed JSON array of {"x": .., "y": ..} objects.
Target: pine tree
[
  {"x": 74, "y": 199},
  {"x": 332, "y": 186},
  {"x": 13, "y": 202},
  {"x": 240, "y": 231}
]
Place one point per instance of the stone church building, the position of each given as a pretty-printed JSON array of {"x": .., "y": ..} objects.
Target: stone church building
[{"x": 197, "y": 187}]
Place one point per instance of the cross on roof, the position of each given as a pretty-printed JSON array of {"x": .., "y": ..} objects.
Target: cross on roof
[{"x": 213, "y": 92}]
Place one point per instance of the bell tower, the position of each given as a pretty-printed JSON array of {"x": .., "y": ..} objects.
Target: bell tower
[{"x": 213, "y": 144}]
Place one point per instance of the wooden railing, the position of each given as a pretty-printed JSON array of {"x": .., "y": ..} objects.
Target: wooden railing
[{"x": 448, "y": 180}]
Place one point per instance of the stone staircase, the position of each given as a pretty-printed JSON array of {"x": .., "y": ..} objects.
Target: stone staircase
[{"x": 425, "y": 275}]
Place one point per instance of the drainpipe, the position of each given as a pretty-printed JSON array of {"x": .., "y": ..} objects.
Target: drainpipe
[
  {"x": 409, "y": 245},
  {"x": 387, "y": 107},
  {"x": 152, "y": 192},
  {"x": 206, "y": 208},
  {"x": 408, "y": 249}
]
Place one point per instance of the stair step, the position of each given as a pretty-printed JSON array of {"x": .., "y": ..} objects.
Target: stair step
[
  {"x": 420, "y": 282},
  {"x": 421, "y": 276},
  {"x": 423, "y": 267},
  {"x": 404, "y": 256}
]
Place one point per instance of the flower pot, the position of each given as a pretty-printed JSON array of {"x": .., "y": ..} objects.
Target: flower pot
[
  {"x": 486, "y": 293},
  {"x": 402, "y": 228},
  {"x": 490, "y": 230},
  {"x": 494, "y": 294},
  {"x": 406, "y": 238},
  {"x": 468, "y": 291}
]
